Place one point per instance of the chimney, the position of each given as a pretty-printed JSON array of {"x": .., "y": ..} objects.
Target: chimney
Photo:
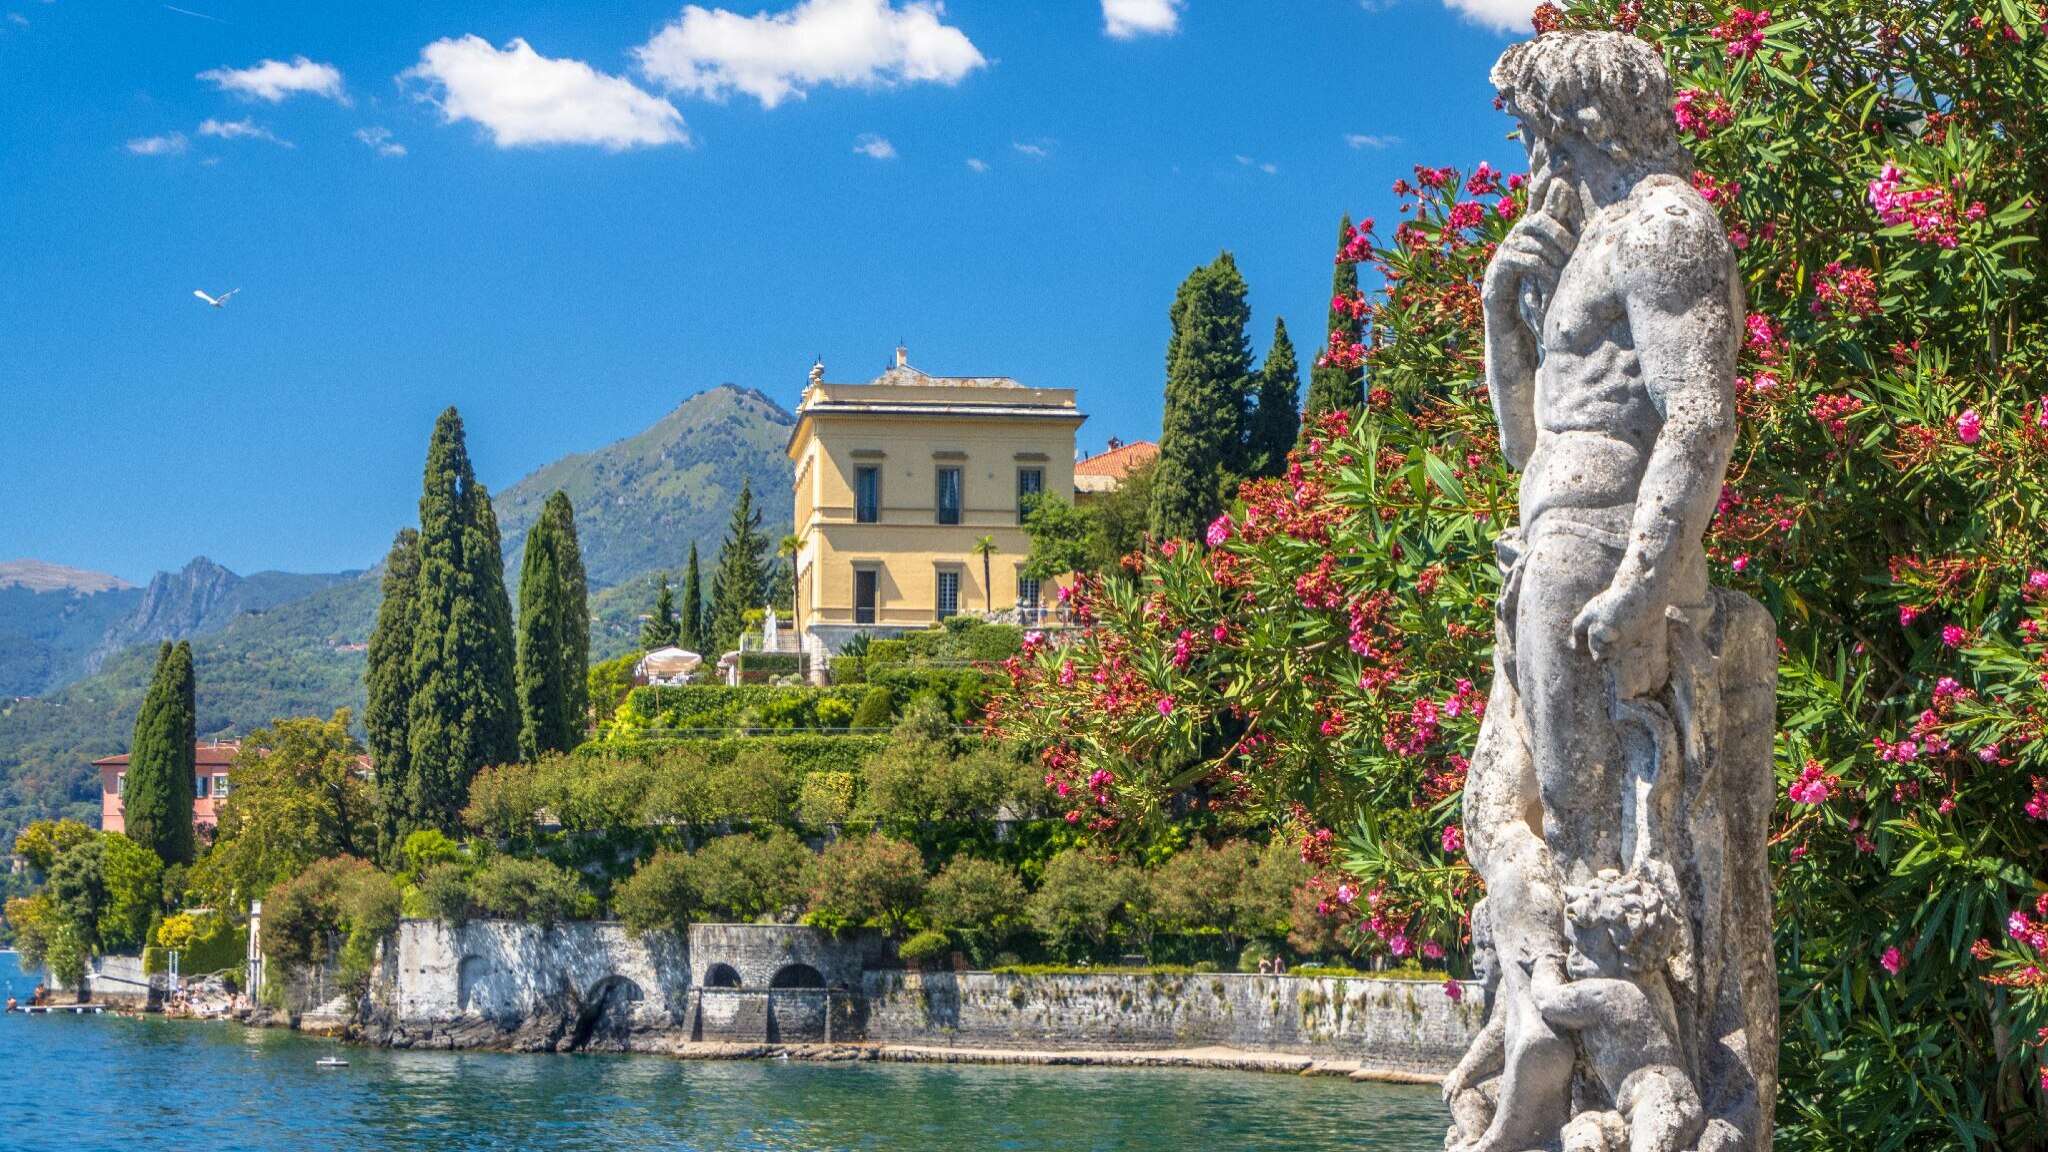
[{"x": 902, "y": 356}]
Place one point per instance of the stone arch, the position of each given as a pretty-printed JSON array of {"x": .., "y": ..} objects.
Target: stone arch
[
  {"x": 606, "y": 1009},
  {"x": 470, "y": 975},
  {"x": 797, "y": 976},
  {"x": 722, "y": 976}
]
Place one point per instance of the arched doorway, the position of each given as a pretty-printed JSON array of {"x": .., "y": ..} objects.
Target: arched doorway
[
  {"x": 722, "y": 976},
  {"x": 797, "y": 976}
]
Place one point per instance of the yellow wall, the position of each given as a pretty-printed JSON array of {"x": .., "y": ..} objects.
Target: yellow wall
[{"x": 908, "y": 547}]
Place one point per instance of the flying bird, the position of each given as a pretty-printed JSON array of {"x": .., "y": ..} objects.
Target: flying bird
[{"x": 219, "y": 301}]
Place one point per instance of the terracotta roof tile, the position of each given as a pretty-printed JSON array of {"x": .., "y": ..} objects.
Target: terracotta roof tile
[{"x": 1120, "y": 461}]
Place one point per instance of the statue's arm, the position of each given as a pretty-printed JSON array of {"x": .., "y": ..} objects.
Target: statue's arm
[
  {"x": 1511, "y": 381},
  {"x": 1679, "y": 291},
  {"x": 1519, "y": 281}
]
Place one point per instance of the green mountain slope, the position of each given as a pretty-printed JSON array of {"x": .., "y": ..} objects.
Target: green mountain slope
[{"x": 641, "y": 501}]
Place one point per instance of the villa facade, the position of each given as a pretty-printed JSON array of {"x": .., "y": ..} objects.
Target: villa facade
[
  {"x": 212, "y": 761},
  {"x": 900, "y": 479}
]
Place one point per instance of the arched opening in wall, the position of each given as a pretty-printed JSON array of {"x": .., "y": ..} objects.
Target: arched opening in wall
[
  {"x": 607, "y": 1010},
  {"x": 722, "y": 976},
  {"x": 797, "y": 976},
  {"x": 469, "y": 978}
]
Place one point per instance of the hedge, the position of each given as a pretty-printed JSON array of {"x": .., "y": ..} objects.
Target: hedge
[
  {"x": 808, "y": 752},
  {"x": 688, "y": 706}
]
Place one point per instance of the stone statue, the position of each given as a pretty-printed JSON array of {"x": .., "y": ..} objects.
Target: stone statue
[{"x": 1619, "y": 798}]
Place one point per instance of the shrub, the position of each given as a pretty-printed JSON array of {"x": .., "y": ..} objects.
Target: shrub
[
  {"x": 834, "y": 712},
  {"x": 824, "y": 799},
  {"x": 885, "y": 652},
  {"x": 425, "y": 848},
  {"x": 1201, "y": 889},
  {"x": 745, "y": 877},
  {"x": 660, "y": 896},
  {"x": 1254, "y": 952},
  {"x": 440, "y": 893},
  {"x": 981, "y": 901},
  {"x": 928, "y": 945},
  {"x": 846, "y": 669},
  {"x": 339, "y": 897},
  {"x": 206, "y": 942},
  {"x": 35, "y": 922},
  {"x": 1082, "y": 904},
  {"x": 877, "y": 708},
  {"x": 43, "y": 841},
  {"x": 533, "y": 891},
  {"x": 872, "y": 878}
]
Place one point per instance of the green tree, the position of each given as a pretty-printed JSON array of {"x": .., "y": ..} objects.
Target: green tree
[
  {"x": 134, "y": 878},
  {"x": 745, "y": 876},
  {"x": 856, "y": 880},
  {"x": 1277, "y": 420},
  {"x": 533, "y": 891},
  {"x": 297, "y": 798},
  {"x": 388, "y": 682},
  {"x": 157, "y": 804},
  {"x": 1333, "y": 386},
  {"x": 1208, "y": 376},
  {"x": 742, "y": 573},
  {"x": 553, "y": 649},
  {"x": 464, "y": 711},
  {"x": 43, "y": 841},
  {"x": 660, "y": 629},
  {"x": 1082, "y": 905},
  {"x": 986, "y": 548},
  {"x": 782, "y": 584},
  {"x": 980, "y": 901},
  {"x": 660, "y": 895},
  {"x": 691, "y": 634},
  {"x": 1060, "y": 536}
]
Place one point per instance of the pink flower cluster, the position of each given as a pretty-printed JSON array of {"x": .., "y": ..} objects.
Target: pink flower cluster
[
  {"x": 1969, "y": 426},
  {"x": 1833, "y": 412},
  {"x": 1930, "y": 212},
  {"x": 1743, "y": 32},
  {"x": 1814, "y": 786},
  {"x": 1844, "y": 289},
  {"x": 1699, "y": 113}
]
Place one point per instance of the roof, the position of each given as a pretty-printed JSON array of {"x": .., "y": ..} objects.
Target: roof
[
  {"x": 903, "y": 375},
  {"x": 1119, "y": 461},
  {"x": 207, "y": 754}
]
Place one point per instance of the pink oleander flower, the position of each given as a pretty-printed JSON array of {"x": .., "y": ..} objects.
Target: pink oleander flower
[
  {"x": 1431, "y": 950},
  {"x": 1814, "y": 786},
  {"x": 1743, "y": 32},
  {"x": 1740, "y": 563},
  {"x": 1398, "y": 944},
  {"x": 1907, "y": 614},
  {"x": 1970, "y": 427},
  {"x": 1456, "y": 991},
  {"x": 1219, "y": 531},
  {"x": 1953, "y": 636},
  {"x": 1453, "y": 838},
  {"x": 1467, "y": 214},
  {"x": 1346, "y": 894},
  {"x": 1891, "y": 961},
  {"x": 1166, "y": 705}
]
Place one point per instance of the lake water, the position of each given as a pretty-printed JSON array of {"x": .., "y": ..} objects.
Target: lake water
[{"x": 93, "y": 1083}]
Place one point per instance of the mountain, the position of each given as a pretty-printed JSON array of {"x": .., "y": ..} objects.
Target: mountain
[
  {"x": 276, "y": 644},
  {"x": 38, "y": 576},
  {"x": 640, "y": 502}
]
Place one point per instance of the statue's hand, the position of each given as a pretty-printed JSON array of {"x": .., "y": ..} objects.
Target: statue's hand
[
  {"x": 1532, "y": 257},
  {"x": 1610, "y": 617}
]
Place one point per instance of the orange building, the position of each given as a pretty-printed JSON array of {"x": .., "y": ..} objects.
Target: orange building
[
  {"x": 212, "y": 759},
  {"x": 1105, "y": 471}
]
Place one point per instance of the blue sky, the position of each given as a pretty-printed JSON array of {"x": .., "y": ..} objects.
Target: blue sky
[{"x": 567, "y": 235}]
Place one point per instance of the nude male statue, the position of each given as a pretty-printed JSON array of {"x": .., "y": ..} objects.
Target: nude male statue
[{"x": 1613, "y": 317}]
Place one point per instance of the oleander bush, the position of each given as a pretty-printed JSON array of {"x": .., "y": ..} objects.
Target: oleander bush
[{"x": 1318, "y": 660}]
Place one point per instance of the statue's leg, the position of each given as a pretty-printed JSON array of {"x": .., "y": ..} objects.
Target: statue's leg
[{"x": 1564, "y": 699}]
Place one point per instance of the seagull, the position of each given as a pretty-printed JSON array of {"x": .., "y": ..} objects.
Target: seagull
[{"x": 216, "y": 301}]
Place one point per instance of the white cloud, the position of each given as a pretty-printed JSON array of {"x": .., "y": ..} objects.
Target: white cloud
[
  {"x": 1500, "y": 15},
  {"x": 378, "y": 138},
  {"x": 1038, "y": 151},
  {"x": 243, "y": 129},
  {"x": 1130, "y": 19},
  {"x": 525, "y": 99},
  {"x": 273, "y": 80},
  {"x": 17, "y": 19},
  {"x": 714, "y": 52},
  {"x": 977, "y": 164},
  {"x": 169, "y": 144},
  {"x": 1367, "y": 140},
  {"x": 875, "y": 147},
  {"x": 1265, "y": 166}
]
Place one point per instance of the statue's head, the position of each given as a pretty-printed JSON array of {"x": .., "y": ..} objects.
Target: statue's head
[
  {"x": 1620, "y": 926},
  {"x": 1606, "y": 92},
  {"x": 1485, "y": 960}
]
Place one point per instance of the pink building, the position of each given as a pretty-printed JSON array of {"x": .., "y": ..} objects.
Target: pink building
[{"x": 209, "y": 784}]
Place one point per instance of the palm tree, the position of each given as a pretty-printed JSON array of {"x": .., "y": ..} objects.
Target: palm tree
[
  {"x": 787, "y": 550},
  {"x": 984, "y": 548}
]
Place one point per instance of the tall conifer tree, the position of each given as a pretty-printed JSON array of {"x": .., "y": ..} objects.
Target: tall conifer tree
[
  {"x": 742, "y": 573},
  {"x": 692, "y": 631},
  {"x": 1208, "y": 377},
  {"x": 388, "y": 683},
  {"x": 464, "y": 712},
  {"x": 660, "y": 630},
  {"x": 1331, "y": 387},
  {"x": 1277, "y": 421},
  {"x": 157, "y": 801},
  {"x": 576, "y": 619},
  {"x": 545, "y": 723}
]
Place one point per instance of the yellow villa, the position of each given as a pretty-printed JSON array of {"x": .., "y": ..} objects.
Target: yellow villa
[{"x": 898, "y": 480}]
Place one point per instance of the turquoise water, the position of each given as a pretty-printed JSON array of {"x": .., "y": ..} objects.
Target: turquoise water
[{"x": 91, "y": 1083}]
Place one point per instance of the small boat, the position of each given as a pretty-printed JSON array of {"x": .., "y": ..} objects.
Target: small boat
[{"x": 330, "y": 1062}]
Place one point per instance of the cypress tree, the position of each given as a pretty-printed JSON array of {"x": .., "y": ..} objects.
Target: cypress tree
[
  {"x": 661, "y": 630},
  {"x": 1331, "y": 387},
  {"x": 1277, "y": 421},
  {"x": 692, "y": 632},
  {"x": 576, "y": 614},
  {"x": 464, "y": 711},
  {"x": 742, "y": 578},
  {"x": 157, "y": 805},
  {"x": 545, "y": 724},
  {"x": 1208, "y": 376},
  {"x": 388, "y": 683}
]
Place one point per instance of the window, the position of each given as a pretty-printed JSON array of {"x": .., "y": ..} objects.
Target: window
[
  {"x": 1030, "y": 482},
  {"x": 949, "y": 495},
  {"x": 864, "y": 595},
  {"x": 201, "y": 787},
  {"x": 867, "y": 495},
  {"x": 120, "y": 783},
  {"x": 220, "y": 785},
  {"x": 949, "y": 594},
  {"x": 1027, "y": 591}
]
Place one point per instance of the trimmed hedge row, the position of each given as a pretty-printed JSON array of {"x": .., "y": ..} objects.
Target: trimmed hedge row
[
  {"x": 806, "y": 752},
  {"x": 793, "y": 708}
]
